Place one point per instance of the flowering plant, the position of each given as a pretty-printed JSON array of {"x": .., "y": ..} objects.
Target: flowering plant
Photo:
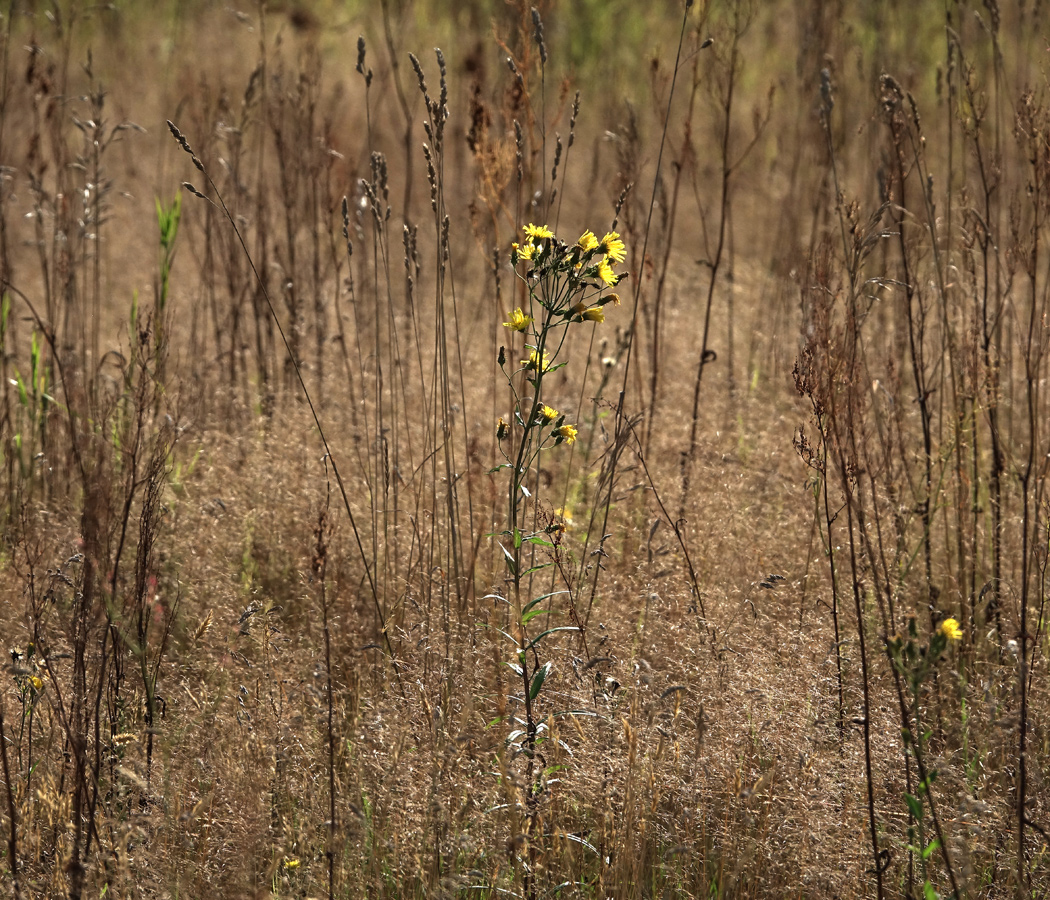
[{"x": 567, "y": 285}]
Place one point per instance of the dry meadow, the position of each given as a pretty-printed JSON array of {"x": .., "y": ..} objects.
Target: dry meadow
[{"x": 594, "y": 450}]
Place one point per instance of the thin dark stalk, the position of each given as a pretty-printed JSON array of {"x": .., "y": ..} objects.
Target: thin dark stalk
[
  {"x": 866, "y": 685},
  {"x": 12, "y": 819},
  {"x": 619, "y": 438},
  {"x": 321, "y": 572},
  {"x": 741, "y": 23},
  {"x": 302, "y": 383},
  {"x": 829, "y": 520}
]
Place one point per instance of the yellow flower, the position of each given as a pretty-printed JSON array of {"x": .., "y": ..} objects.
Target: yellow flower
[
  {"x": 538, "y": 231},
  {"x": 548, "y": 413},
  {"x": 566, "y": 433},
  {"x": 501, "y": 429},
  {"x": 587, "y": 241},
  {"x": 534, "y": 361},
  {"x": 610, "y": 298},
  {"x": 518, "y": 321},
  {"x": 951, "y": 630},
  {"x": 595, "y": 314},
  {"x": 36, "y": 682},
  {"x": 526, "y": 252},
  {"x": 291, "y": 864},
  {"x": 614, "y": 247},
  {"x": 605, "y": 272}
]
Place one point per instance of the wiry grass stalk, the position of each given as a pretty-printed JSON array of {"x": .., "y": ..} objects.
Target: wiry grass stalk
[{"x": 328, "y": 455}]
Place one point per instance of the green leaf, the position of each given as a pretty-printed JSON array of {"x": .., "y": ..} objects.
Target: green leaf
[
  {"x": 529, "y": 616},
  {"x": 538, "y": 679},
  {"x": 930, "y": 848},
  {"x": 540, "y": 599},
  {"x": 914, "y": 806},
  {"x": 539, "y": 541},
  {"x": 510, "y": 560},
  {"x": 929, "y": 892},
  {"x": 23, "y": 394},
  {"x": 540, "y": 637}
]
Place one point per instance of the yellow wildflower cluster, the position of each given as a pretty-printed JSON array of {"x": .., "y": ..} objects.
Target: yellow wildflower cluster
[
  {"x": 588, "y": 262},
  {"x": 566, "y": 284}
]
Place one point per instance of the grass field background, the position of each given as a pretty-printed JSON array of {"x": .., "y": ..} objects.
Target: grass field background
[{"x": 311, "y": 584}]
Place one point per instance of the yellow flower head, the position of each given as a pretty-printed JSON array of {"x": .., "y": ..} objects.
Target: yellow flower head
[
  {"x": 36, "y": 681},
  {"x": 548, "y": 413},
  {"x": 291, "y": 864},
  {"x": 606, "y": 274},
  {"x": 614, "y": 247},
  {"x": 518, "y": 321},
  {"x": 501, "y": 429},
  {"x": 538, "y": 231},
  {"x": 951, "y": 630},
  {"x": 594, "y": 314},
  {"x": 587, "y": 241},
  {"x": 534, "y": 363},
  {"x": 527, "y": 252},
  {"x": 566, "y": 433},
  {"x": 611, "y": 297}
]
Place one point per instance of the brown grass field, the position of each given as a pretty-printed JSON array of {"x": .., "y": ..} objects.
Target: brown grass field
[{"x": 606, "y": 457}]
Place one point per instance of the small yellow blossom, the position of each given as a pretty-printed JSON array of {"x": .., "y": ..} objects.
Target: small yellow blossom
[
  {"x": 587, "y": 241},
  {"x": 501, "y": 429},
  {"x": 535, "y": 363},
  {"x": 951, "y": 630},
  {"x": 538, "y": 231},
  {"x": 611, "y": 297},
  {"x": 36, "y": 681},
  {"x": 565, "y": 514},
  {"x": 594, "y": 314},
  {"x": 614, "y": 247},
  {"x": 527, "y": 252},
  {"x": 566, "y": 433},
  {"x": 518, "y": 321},
  {"x": 548, "y": 413},
  {"x": 605, "y": 272},
  {"x": 291, "y": 864}
]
